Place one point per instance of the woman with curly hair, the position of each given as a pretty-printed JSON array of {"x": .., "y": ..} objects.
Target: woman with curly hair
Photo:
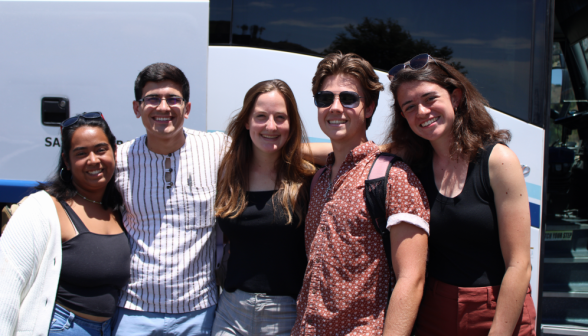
[{"x": 479, "y": 260}]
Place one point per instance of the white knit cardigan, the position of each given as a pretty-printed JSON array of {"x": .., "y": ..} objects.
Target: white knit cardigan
[{"x": 30, "y": 263}]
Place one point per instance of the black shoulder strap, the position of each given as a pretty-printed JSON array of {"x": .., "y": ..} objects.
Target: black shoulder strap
[
  {"x": 376, "y": 187},
  {"x": 73, "y": 217}
]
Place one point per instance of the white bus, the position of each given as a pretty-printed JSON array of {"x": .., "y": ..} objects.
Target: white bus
[{"x": 528, "y": 58}]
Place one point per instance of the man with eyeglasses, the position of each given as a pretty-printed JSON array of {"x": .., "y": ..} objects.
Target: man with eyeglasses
[
  {"x": 347, "y": 280},
  {"x": 167, "y": 178}
]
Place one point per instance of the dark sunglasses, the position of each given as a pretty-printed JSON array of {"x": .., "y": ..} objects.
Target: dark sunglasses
[
  {"x": 85, "y": 115},
  {"x": 348, "y": 99},
  {"x": 416, "y": 63}
]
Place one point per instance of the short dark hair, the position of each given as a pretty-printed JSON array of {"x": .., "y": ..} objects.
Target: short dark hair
[
  {"x": 158, "y": 72},
  {"x": 355, "y": 66},
  {"x": 61, "y": 186}
]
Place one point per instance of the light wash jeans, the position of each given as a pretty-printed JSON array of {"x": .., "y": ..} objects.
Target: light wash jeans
[
  {"x": 67, "y": 323},
  {"x": 137, "y": 323},
  {"x": 242, "y": 313}
]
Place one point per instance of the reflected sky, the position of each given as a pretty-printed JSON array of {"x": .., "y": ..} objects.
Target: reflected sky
[{"x": 491, "y": 39}]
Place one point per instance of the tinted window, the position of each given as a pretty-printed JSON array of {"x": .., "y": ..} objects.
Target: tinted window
[{"x": 490, "y": 41}]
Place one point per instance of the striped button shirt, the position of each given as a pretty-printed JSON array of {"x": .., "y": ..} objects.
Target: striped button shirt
[{"x": 170, "y": 223}]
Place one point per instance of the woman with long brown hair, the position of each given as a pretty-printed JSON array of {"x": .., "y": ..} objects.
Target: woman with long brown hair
[
  {"x": 261, "y": 202},
  {"x": 479, "y": 260}
]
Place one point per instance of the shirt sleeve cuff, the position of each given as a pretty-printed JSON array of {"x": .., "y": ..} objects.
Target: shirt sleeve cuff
[{"x": 408, "y": 218}]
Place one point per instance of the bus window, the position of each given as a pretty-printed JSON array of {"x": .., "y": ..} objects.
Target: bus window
[
  {"x": 489, "y": 41},
  {"x": 563, "y": 99}
]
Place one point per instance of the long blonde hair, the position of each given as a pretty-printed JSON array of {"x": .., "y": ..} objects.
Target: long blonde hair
[{"x": 293, "y": 172}]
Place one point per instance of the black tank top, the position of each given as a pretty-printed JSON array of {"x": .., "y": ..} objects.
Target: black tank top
[
  {"x": 464, "y": 247},
  {"x": 94, "y": 269},
  {"x": 267, "y": 255}
]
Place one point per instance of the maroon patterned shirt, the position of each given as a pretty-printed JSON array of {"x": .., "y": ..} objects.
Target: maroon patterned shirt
[{"x": 346, "y": 283}]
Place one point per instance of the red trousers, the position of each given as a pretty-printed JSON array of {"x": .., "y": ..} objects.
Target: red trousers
[{"x": 448, "y": 310}]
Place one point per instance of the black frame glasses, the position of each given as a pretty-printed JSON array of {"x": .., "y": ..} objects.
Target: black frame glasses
[
  {"x": 348, "y": 99},
  {"x": 418, "y": 62},
  {"x": 86, "y": 115},
  {"x": 155, "y": 101}
]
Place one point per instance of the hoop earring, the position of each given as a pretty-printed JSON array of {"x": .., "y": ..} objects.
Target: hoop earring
[{"x": 61, "y": 176}]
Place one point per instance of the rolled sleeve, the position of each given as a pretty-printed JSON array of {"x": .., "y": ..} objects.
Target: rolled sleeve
[
  {"x": 406, "y": 200},
  {"x": 407, "y": 218}
]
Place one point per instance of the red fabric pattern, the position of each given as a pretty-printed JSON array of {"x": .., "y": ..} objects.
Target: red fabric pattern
[{"x": 345, "y": 288}]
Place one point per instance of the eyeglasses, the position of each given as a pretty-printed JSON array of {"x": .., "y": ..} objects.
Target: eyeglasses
[
  {"x": 348, "y": 99},
  {"x": 154, "y": 101},
  {"x": 416, "y": 63},
  {"x": 85, "y": 115}
]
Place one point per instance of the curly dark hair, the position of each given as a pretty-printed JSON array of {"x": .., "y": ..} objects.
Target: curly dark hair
[
  {"x": 473, "y": 126},
  {"x": 60, "y": 184}
]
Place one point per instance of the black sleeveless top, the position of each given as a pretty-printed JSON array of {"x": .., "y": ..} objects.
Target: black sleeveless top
[
  {"x": 267, "y": 256},
  {"x": 464, "y": 247},
  {"x": 94, "y": 269}
]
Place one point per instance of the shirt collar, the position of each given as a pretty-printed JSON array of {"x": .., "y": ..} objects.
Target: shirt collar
[{"x": 356, "y": 154}]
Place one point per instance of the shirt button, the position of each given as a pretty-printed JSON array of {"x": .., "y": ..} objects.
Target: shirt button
[
  {"x": 170, "y": 154},
  {"x": 314, "y": 291},
  {"x": 323, "y": 228}
]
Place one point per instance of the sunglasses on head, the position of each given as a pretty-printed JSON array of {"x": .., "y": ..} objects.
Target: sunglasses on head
[
  {"x": 348, "y": 99},
  {"x": 416, "y": 63},
  {"x": 85, "y": 115}
]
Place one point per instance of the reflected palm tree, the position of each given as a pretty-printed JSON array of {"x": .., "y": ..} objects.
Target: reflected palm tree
[{"x": 244, "y": 28}]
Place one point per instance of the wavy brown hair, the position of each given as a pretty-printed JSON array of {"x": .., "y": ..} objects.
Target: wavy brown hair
[
  {"x": 473, "y": 126},
  {"x": 293, "y": 172},
  {"x": 353, "y": 65}
]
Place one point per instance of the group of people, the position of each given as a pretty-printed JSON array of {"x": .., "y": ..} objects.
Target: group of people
[{"x": 121, "y": 239}]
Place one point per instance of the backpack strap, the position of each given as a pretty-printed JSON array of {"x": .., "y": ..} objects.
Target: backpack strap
[
  {"x": 382, "y": 165},
  {"x": 376, "y": 187},
  {"x": 315, "y": 179}
]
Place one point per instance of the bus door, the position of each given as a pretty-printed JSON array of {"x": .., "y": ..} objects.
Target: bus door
[{"x": 565, "y": 263}]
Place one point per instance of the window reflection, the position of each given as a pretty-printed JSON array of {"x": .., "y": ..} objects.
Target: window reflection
[{"x": 490, "y": 41}]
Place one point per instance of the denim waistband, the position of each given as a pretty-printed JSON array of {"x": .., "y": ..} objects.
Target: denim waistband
[{"x": 59, "y": 310}]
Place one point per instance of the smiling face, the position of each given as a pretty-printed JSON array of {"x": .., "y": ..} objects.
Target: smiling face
[
  {"x": 269, "y": 124},
  {"x": 344, "y": 125},
  {"x": 91, "y": 160},
  {"x": 164, "y": 121},
  {"x": 429, "y": 109}
]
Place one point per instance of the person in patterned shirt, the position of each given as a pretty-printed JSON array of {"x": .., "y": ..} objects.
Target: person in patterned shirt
[{"x": 347, "y": 280}]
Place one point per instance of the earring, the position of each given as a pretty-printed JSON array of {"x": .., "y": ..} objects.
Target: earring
[{"x": 61, "y": 175}]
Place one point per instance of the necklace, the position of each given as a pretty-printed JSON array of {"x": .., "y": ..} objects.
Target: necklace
[
  {"x": 87, "y": 199},
  {"x": 330, "y": 185}
]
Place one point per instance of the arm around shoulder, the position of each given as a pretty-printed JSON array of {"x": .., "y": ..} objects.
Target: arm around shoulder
[{"x": 317, "y": 152}]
